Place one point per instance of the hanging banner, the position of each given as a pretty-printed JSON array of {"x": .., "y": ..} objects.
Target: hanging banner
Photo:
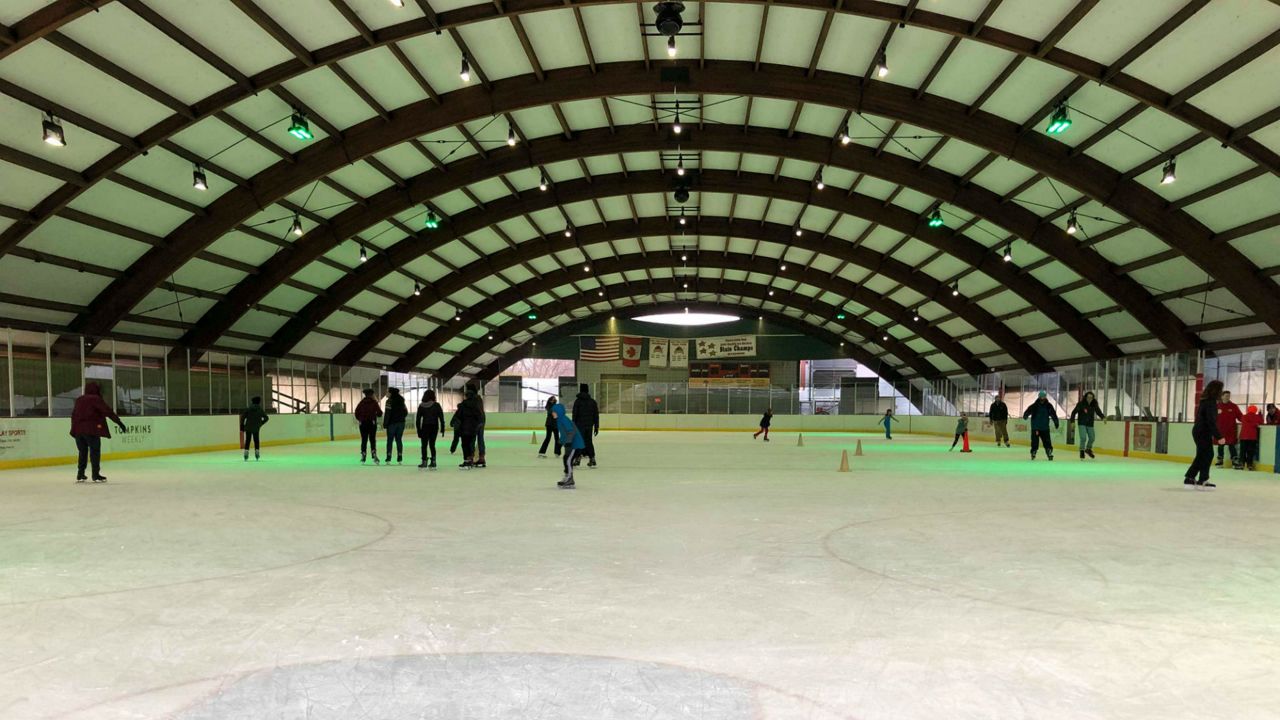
[
  {"x": 658, "y": 348},
  {"x": 679, "y": 353},
  {"x": 631, "y": 352},
  {"x": 727, "y": 347}
]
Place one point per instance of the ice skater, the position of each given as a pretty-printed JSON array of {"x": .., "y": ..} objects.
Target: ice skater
[
  {"x": 765, "y": 421},
  {"x": 252, "y": 419},
  {"x": 586, "y": 415},
  {"x": 962, "y": 431},
  {"x": 1228, "y": 415},
  {"x": 429, "y": 422},
  {"x": 466, "y": 423},
  {"x": 553, "y": 432},
  {"x": 1205, "y": 433},
  {"x": 1040, "y": 413},
  {"x": 1085, "y": 413},
  {"x": 479, "y": 460},
  {"x": 998, "y": 414},
  {"x": 393, "y": 422},
  {"x": 1250, "y": 430},
  {"x": 88, "y": 426},
  {"x": 571, "y": 437},
  {"x": 887, "y": 421},
  {"x": 367, "y": 414}
]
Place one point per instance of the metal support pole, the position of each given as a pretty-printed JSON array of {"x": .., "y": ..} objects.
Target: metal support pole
[
  {"x": 8, "y": 336},
  {"x": 48, "y": 374},
  {"x": 115, "y": 385},
  {"x": 164, "y": 361},
  {"x": 188, "y": 381}
]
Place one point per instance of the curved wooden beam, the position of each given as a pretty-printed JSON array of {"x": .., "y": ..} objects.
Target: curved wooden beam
[
  {"x": 1031, "y": 48},
  {"x": 1128, "y": 294},
  {"x": 815, "y": 307},
  {"x": 1034, "y": 150},
  {"x": 522, "y": 351},
  {"x": 980, "y": 319},
  {"x": 44, "y": 21}
]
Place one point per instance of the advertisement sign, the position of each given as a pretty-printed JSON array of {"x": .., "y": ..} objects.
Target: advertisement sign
[
  {"x": 1142, "y": 437},
  {"x": 727, "y": 347},
  {"x": 679, "y": 353},
  {"x": 658, "y": 348}
]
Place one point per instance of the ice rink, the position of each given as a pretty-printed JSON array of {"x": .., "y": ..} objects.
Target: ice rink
[{"x": 692, "y": 575}]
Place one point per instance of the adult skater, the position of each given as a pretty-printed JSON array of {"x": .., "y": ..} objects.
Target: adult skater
[
  {"x": 1085, "y": 413},
  {"x": 552, "y": 428},
  {"x": 1273, "y": 414},
  {"x": 571, "y": 437},
  {"x": 998, "y": 414},
  {"x": 88, "y": 426},
  {"x": 962, "y": 431},
  {"x": 252, "y": 419},
  {"x": 1250, "y": 431},
  {"x": 887, "y": 421},
  {"x": 1205, "y": 433},
  {"x": 429, "y": 422},
  {"x": 367, "y": 414},
  {"x": 1228, "y": 415},
  {"x": 479, "y": 461},
  {"x": 393, "y": 422},
  {"x": 586, "y": 415},
  {"x": 765, "y": 421},
  {"x": 466, "y": 423},
  {"x": 1040, "y": 413}
]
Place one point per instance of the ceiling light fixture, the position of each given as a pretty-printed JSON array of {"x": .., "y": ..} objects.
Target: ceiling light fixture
[
  {"x": 465, "y": 73},
  {"x": 296, "y": 228},
  {"x": 1008, "y": 253},
  {"x": 511, "y": 136},
  {"x": 671, "y": 46},
  {"x": 676, "y": 127},
  {"x": 53, "y": 133},
  {"x": 568, "y": 231},
  {"x": 298, "y": 126},
  {"x": 915, "y": 315},
  {"x": 683, "y": 220},
  {"x": 398, "y": 3},
  {"x": 1170, "y": 172},
  {"x": 783, "y": 267},
  {"x": 198, "y": 179},
  {"x": 680, "y": 167},
  {"x": 364, "y": 256},
  {"x": 684, "y": 258},
  {"x": 417, "y": 289},
  {"x": 845, "y": 139},
  {"x": 1060, "y": 120},
  {"x": 1072, "y": 226},
  {"x": 817, "y": 180},
  {"x": 432, "y": 222},
  {"x": 935, "y": 218},
  {"x": 955, "y": 289},
  {"x": 799, "y": 231},
  {"x": 586, "y": 268},
  {"x": 882, "y": 64},
  {"x": 543, "y": 182}
]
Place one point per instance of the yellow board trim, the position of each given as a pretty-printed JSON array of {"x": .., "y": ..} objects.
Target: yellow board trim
[{"x": 135, "y": 454}]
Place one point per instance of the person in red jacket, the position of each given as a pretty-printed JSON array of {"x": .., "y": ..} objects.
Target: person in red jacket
[
  {"x": 1250, "y": 429},
  {"x": 367, "y": 413},
  {"x": 88, "y": 427},
  {"x": 1228, "y": 415}
]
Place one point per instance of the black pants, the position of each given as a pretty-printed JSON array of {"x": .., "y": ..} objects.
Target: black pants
[
  {"x": 468, "y": 448},
  {"x": 429, "y": 445},
  {"x": 395, "y": 436},
  {"x": 90, "y": 450},
  {"x": 1199, "y": 469},
  {"x": 369, "y": 437},
  {"x": 590, "y": 450},
  {"x": 252, "y": 436},
  {"x": 1230, "y": 447},
  {"x": 552, "y": 434},
  {"x": 1248, "y": 451},
  {"x": 1041, "y": 436},
  {"x": 957, "y": 439}
]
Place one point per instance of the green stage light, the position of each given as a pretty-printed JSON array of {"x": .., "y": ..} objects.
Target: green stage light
[
  {"x": 432, "y": 222},
  {"x": 840, "y": 316},
  {"x": 935, "y": 219},
  {"x": 532, "y": 316},
  {"x": 299, "y": 128},
  {"x": 1060, "y": 120}
]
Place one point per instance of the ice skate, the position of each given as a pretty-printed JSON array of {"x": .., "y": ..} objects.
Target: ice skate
[
  {"x": 1089, "y": 452},
  {"x": 1033, "y": 456},
  {"x": 422, "y": 465},
  {"x": 566, "y": 484},
  {"x": 375, "y": 460},
  {"x": 81, "y": 478},
  {"x": 256, "y": 457},
  {"x": 399, "y": 460},
  {"x": 99, "y": 478},
  {"x": 766, "y": 439},
  {"x": 1081, "y": 454},
  {"x": 591, "y": 462},
  {"x": 1205, "y": 485},
  {"x": 246, "y": 457},
  {"x": 362, "y": 458},
  {"x": 432, "y": 466},
  {"x": 1049, "y": 455},
  {"x": 1189, "y": 483},
  {"x": 1007, "y": 445},
  {"x": 1219, "y": 463},
  {"x": 542, "y": 456},
  {"x": 1251, "y": 467},
  {"x": 1237, "y": 466},
  {"x": 479, "y": 463},
  {"x": 466, "y": 465}
]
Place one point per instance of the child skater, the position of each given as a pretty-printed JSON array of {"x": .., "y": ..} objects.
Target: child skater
[
  {"x": 962, "y": 431},
  {"x": 1040, "y": 413},
  {"x": 571, "y": 439},
  {"x": 887, "y": 421},
  {"x": 393, "y": 422},
  {"x": 367, "y": 414},
  {"x": 1087, "y": 411},
  {"x": 553, "y": 432},
  {"x": 429, "y": 422},
  {"x": 765, "y": 421},
  {"x": 252, "y": 419},
  {"x": 1250, "y": 427}
]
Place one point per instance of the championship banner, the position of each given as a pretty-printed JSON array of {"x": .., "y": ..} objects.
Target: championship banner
[
  {"x": 658, "y": 348},
  {"x": 679, "y": 353},
  {"x": 727, "y": 347},
  {"x": 631, "y": 352}
]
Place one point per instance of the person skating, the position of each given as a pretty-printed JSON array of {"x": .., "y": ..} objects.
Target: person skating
[
  {"x": 88, "y": 426},
  {"x": 479, "y": 460},
  {"x": 429, "y": 422},
  {"x": 252, "y": 419},
  {"x": 1250, "y": 430},
  {"x": 571, "y": 437},
  {"x": 586, "y": 415},
  {"x": 1040, "y": 413},
  {"x": 367, "y": 413},
  {"x": 887, "y": 421},
  {"x": 1273, "y": 414},
  {"x": 1228, "y": 415},
  {"x": 397, "y": 415},
  {"x": 466, "y": 423},
  {"x": 1205, "y": 433},
  {"x": 765, "y": 421},
  {"x": 553, "y": 432},
  {"x": 962, "y": 431},
  {"x": 998, "y": 414},
  {"x": 1085, "y": 413}
]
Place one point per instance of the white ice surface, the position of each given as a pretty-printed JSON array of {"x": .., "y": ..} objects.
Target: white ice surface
[{"x": 692, "y": 575}]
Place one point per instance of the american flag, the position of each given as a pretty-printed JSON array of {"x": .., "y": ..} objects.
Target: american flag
[{"x": 598, "y": 349}]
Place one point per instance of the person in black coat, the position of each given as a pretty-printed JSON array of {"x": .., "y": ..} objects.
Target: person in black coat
[
  {"x": 1085, "y": 414},
  {"x": 1041, "y": 413},
  {"x": 1205, "y": 433},
  {"x": 393, "y": 420},
  {"x": 765, "y": 421},
  {"x": 429, "y": 422},
  {"x": 552, "y": 432},
  {"x": 466, "y": 424},
  {"x": 998, "y": 414},
  {"x": 586, "y": 415}
]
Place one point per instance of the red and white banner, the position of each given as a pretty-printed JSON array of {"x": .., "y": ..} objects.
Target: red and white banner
[{"x": 631, "y": 352}]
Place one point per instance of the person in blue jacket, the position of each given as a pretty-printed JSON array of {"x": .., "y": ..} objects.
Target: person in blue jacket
[
  {"x": 571, "y": 439},
  {"x": 1040, "y": 413},
  {"x": 887, "y": 421}
]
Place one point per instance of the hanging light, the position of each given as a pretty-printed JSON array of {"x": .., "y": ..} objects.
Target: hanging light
[
  {"x": 532, "y": 316},
  {"x": 818, "y": 180},
  {"x": 601, "y": 293},
  {"x": 1170, "y": 172},
  {"x": 915, "y": 315},
  {"x": 799, "y": 232},
  {"x": 935, "y": 218},
  {"x": 586, "y": 268},
  {"x": 676, "y": 127},
  {"x": 684, "y": 258},
  {"x": 296, "y": 228},
  {"x": 955, "y": 289},
  {"x": 511, "y": 136},
  {"x": 298, "y": 126},
  {"x": 680, "y": 167},
  {"x": 1060, "y": 120},
  {"x": 840, "y": 316},
  {"x": 1008, "y": 253},
  {"x": 398, "y": 3},
  {"x": 770, "y": 293},
  {"x": 465, "y": 73},
  {"x": 417, "y": 289},
  {"x": 1072, "y": 225},
  {"x": 53, "y": 133},
  {"x": 671, "y": 46},
  {"x": 364, "y": 256},
  {"x": 198, "y": 179},
  {"x": 432, "y": 222},
  {"x": 845, "y": 139},
  {"x": 882, "y": 64},
  {"x": 568, "y": 231},
  {"x": 683, "y": 220},
  {"x": 543, "y": 182},
  {"x": 885, "y": 338}
]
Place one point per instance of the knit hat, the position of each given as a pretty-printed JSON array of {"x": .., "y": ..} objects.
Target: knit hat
[
  {"x": 1253, "y": 410},
  {"x": 582, "y": 387},
  {"x": 1044, "y": 394}
]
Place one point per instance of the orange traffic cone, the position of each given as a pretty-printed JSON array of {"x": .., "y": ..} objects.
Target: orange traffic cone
[
  {"x": 800, "y": 440},
  {"x": 966, "y": 444},
  {"x": 858, "y": 449},
  {"x": 533, "y": 437},
  {"x": 844, "y": 461}
]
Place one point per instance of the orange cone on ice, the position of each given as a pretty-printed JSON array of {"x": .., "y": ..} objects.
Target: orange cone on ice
[
  {"x": 966, "y": 444},
  {"x": 800, "y": 440},
  {"x": 857, "y": 450},
  {"x": 844, "y": 461},
  {"x": 533, "y": 437}
]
